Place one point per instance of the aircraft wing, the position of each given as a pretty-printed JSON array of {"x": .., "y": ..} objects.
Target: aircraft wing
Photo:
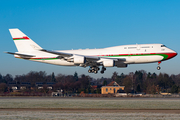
[
  {"x": 22, "y": 55},
  {"x": 94, "y": 61},
  {"x": 68, "y": 55},
  {"x": 57, "y": 53}
]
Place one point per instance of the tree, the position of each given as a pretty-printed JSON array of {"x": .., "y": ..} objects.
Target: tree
[
  {"x": 138, "y": 77},
  {"x": 127, "y": 82},
  {"x": 151, "y": 89},
  {"x": 45, "y": 89},
  {"x": 154, "y": 75},
  {"x": 114, "y": 76},
  {"x": 149, "y": 75},
  {"x": 34, "y": 77},
  {"x": 120, "y": 78},
  {"x": 104, "y": 83},
  {"x": 174, "y": 89},
  {"x": 8, "y": 78},
  {"x": 75, "y": 76},
  {"x": 53, "y": 79},
  {"x": 3, "y": 87},
  {"x": 98, "y": 91},
  {"x": 1, "y": 79},
  {"x": 84, "y": 81},
  {"x": 60, "y": 78},
  {"x": 138, "y": 89},
  {"x": 161, "y": 81}
]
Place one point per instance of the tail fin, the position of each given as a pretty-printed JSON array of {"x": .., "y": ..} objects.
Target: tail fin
[{"x": 23, "y": 42}]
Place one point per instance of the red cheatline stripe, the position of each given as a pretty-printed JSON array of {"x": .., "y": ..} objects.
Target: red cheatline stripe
[
  {"x": 43, "y": 58},
  {"x": 170, "y": 55},
  {"x": 165, "y": 55},
  {"x": 22, "y": 38}
]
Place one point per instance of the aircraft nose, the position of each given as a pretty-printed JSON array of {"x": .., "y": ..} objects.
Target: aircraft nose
[
  {"x": 175, "y": 54},
  {"x": 171, "y": 55}
]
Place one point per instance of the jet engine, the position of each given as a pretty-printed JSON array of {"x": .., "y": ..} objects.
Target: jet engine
[
  {"x": 79, "y": 60},
  {"x": 108, "y": 63}
]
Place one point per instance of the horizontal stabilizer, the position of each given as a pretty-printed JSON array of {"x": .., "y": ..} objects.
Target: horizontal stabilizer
[{"x": 23, "y": 55}]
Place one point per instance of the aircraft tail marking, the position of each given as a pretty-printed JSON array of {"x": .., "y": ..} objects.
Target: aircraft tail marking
[
  {"x": 22, "y": 38},
  {"x": 23, "y": 42}
]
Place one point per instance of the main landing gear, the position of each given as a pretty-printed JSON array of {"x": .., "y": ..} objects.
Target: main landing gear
[
  {"x": 93, "y": 70},
  {"x": 96, "y": 69},
  {"x": 103, "y": 69},
  {"x": 158, "y": 68}
]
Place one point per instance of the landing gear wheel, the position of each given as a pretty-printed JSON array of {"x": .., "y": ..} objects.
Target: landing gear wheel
[
  {"x": 158, "y": 67},
  {"x": 103, "y": 69},
  {"x": 90, "y": 71},
  {"x": 93, "y": 70}
]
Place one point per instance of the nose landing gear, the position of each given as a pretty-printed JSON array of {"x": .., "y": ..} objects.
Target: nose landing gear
[{"x": 158, "y": 68}]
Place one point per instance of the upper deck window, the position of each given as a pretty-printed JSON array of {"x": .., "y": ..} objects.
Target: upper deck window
[
  {"x": 163, "y": 46},
  {"x": 132, "y": 47},
  {"x": 145, "y": 47}
]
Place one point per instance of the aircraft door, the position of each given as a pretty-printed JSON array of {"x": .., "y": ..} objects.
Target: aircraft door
[{"x": 138, "y": 47}]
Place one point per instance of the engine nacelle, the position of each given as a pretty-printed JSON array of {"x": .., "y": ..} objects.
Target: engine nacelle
[
  {"x": 79, "y": 60},
  {"x": 108, "y": 63},
  {"x": 122, "y": 65}
]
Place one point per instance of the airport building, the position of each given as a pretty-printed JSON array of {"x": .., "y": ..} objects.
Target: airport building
[{"x": 112, "y": 88}]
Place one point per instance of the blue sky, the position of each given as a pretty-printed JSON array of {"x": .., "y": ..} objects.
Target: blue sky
[{"x": 75, "y": 24}]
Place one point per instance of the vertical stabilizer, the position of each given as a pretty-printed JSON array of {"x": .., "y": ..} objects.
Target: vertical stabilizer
[{"x": 23, "y": 42}]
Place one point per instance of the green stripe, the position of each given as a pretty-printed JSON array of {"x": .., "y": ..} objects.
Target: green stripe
[
  {"x": 163, "y": 55},
  {"x": 19, "y": 39},
  {"x": 45, "y": 59}
]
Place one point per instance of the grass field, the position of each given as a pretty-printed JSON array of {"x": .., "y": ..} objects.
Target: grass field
[
  {"x": 106, "y": 103},
  {"x": 68, "y": 115},
  {"x": 41, "y": 108}
]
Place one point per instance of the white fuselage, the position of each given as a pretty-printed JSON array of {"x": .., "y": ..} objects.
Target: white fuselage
[
  {"x": 128, "y": 54},
  {"x": 119, "y": 56}
]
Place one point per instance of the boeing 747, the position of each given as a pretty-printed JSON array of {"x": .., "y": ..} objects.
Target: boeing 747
[{"x": 117, "y": 56}]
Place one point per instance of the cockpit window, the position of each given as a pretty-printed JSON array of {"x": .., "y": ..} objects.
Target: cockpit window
[{"x": 163, "y": 46}]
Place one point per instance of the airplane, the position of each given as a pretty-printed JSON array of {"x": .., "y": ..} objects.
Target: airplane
[{"x": 117, "y": 56}]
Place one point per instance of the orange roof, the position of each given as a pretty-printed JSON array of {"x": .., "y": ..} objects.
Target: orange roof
[{"x": 113, "y": 83}]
